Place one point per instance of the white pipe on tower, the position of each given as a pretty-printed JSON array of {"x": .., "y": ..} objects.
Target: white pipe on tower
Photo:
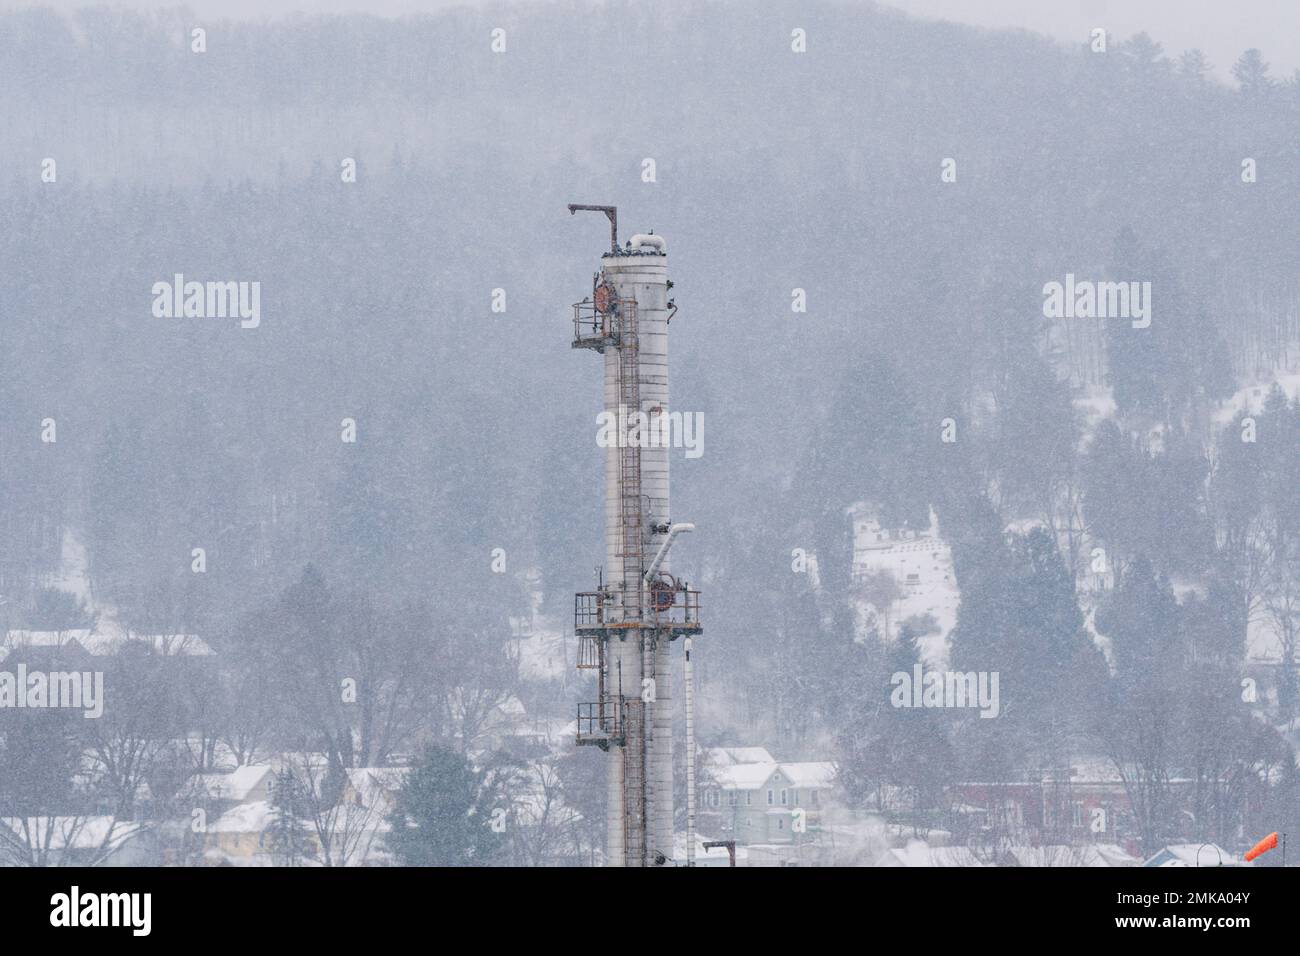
[
  {"x": 688, "y": 687},
  {"x": 659, "y": 557}
]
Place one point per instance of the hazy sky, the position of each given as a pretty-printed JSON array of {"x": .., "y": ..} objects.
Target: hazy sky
[{"x": 1222, "y": 28}]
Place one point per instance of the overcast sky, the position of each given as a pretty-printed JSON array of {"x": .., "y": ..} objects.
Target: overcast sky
[{"x": 1222, "y": 28}]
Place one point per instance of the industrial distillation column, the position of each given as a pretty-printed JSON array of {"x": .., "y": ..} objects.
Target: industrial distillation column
[
  {"x": 639, "y": 274},
  {"x": 640, "y": 608}
]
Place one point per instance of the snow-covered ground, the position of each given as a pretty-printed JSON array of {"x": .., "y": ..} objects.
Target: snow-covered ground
[
  {"x": 106, "y": 635},
  {"x": 920, "y": 564},
  {"x": 1096, "y": 404},
  {"x": 1250, "y": 398},
  {"x": 546, "y": 650}
]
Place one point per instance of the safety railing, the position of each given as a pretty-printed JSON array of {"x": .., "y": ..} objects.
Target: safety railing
[{"x": 601, "y": 721}]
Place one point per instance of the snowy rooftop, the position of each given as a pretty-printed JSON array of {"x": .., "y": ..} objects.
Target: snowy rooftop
[
  {"x": 728, "y": 756},
  {"x": 376, "y": 785},
  {"x": 742, "y": 776},
  {"x": 813, "y": 775},
  {"x": 1092, "y": 855},
  {"x": 77, "y": 833},
  {"x": 918, "y": 853},
  {"x": 105, "y": 641},
  {"x": 236, "y": 785},
  {"x": 1193, "y": 854},
  {"x": 253, "y": 817},
  {"x": 729, "y": 771}
]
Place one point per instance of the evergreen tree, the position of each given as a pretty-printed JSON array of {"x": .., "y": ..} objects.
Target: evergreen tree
[
  {"x": 1194, "y": 65},
  {"x": 1251, "y": 73},
  {"x": 286, "y": 836},
  {"x": 443, "y": 814}
]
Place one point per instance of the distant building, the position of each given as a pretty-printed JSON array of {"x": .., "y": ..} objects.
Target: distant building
[
  {"x": 245, "y": 815},
  {"x": 73, "y": 841},
  {"x": 239, "y": 836},
  {"x": 1086, "y": 855},
  {"x": 1194, "y": 854},
  {"x": 918, "y": 853},
  {"x": 747, "y": 796},
  {"x": 247, "y": 784},
  {"x": 374, "y": 788},
  {"x": 1081, "y": 804},
  {"x": 106, "y": 641},
  {"x": 46, "y": 650}
]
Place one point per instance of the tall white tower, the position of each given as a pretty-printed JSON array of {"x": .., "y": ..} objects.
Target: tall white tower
[{"x": 627, "y": 626}]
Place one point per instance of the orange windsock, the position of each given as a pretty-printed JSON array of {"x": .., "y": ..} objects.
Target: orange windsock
[{"x": 1262, "y": 847}]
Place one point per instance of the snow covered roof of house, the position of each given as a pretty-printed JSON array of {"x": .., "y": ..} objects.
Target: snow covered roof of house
[
  {"x": 512, "y": 706},
  {"x": 1082, "y": 771},
  {"x": 252, "y": 817},
  {"x": 1090, "y": 855},
  {"x": 1193, "y": 854},
  {"x": 19, "y": 639},
  {"x": 164, "y": 645},
  {"x": 748, "y": 768},
  {"x": 76, "y": 833},
  {"x": 918, "y": 853},
  {"x": 109, "y": 640},
  {"x": 742, "y": 776},
  {"x": 222, "y": 756},
  {"x": 810, "y": 775},
  {"x": 1087, "y": 769},
  {"x": 1115, "y": 855},
  {"x": 235, "y": 785},
  {"x": 728, "y": 756}
]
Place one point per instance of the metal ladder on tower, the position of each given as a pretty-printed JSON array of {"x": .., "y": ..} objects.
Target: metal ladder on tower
[
  {"x": 632, "y": 540},
  {"x": 634, "y": 790},
  {"x": 632, "y": 557}
]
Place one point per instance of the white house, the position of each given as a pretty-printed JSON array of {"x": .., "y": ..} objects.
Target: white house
[
  {"x": 746, "y": 796},
  {"x": 72, "y": 841}
]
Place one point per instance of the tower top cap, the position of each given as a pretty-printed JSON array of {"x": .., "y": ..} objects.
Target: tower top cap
[{"x": 643, "y": 244}]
